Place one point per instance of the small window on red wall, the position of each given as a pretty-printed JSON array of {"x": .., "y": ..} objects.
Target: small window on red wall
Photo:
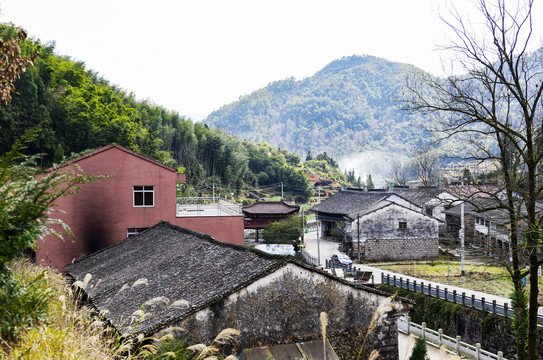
[{"x": 144, "y": 196}]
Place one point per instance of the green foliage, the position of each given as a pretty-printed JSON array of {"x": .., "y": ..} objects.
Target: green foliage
[
  {"x": 174, "y": 349},
  {"x": 28, "y": 198},
  {"x": 26, "y": 201},
  {"x": 286, "y": 231},
  {"x": 519, "y": 304},
  {"x": 349, "y": 106},
  {"x": 24, "y": 303},
  {"x": 419, "y": 351},
  {"x": 369, "y": 182}
]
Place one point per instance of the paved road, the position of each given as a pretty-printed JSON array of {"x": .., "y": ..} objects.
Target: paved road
[{"x": 327, "y": 248}]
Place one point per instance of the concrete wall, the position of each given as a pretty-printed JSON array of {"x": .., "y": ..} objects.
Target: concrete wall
[
  {"x": 286, "y": 306},
  {"x": 101, "y": 213},
  {"x": 401, "y": 249}
]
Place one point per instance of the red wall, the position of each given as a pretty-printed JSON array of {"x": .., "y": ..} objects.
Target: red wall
[{"x": 100, "y": 214}]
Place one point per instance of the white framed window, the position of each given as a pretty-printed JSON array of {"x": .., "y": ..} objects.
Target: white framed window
[
  {"x": 144, "y": 196},
  {"x": 134, "y": 231}
]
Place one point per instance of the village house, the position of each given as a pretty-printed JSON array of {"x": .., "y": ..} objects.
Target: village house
[
  {"x": 433, "y": 201},
  {"x": 487, "y": 226},
  {"x": 190, "y": 281},
  {"x": 136, "y": 193},
  {"x": 386, "y": 225},
  {"x": 260, "y": 214}
]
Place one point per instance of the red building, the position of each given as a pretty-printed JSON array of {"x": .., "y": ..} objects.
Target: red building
[{"x": 137, "y": 193}]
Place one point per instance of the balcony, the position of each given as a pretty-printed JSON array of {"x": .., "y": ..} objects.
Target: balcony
[{"x": 206, "y": 206}]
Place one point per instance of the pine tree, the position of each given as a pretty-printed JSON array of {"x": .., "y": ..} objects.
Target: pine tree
[{"x": 419, "y": 351}]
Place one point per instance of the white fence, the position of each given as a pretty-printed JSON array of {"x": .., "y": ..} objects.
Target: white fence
[
  {"x": 453, "y": 345},
  {"x": 206, "y": 206}
]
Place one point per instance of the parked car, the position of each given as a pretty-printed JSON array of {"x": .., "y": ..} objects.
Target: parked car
[{"x": 341, "y": 259}]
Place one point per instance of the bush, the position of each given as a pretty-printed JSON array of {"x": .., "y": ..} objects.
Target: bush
[
  {"x": 419, "y": 351},
  {"x": 24, "y": 303}
]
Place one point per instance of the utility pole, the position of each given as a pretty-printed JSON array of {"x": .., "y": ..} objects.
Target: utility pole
[
  {"x": 462, "y": 259},
  {"x": 303, "y": 227},
  {"x": 319, "y": 194},
  {"x": 358, "y": 231},
  {"x": 213, "y": 192},
  {"x": 281, "y": 190},
  {"x": 318, "y": 243}
]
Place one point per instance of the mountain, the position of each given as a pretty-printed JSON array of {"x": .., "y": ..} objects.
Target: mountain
[{"x": 350, "y": 106}]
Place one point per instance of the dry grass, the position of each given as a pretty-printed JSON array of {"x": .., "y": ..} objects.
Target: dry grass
[
  {"x": 479, "y": 277},
  {"x": 66, "y": 332}
]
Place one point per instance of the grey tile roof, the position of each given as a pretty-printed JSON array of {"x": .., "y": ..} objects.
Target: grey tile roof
[
  {"x": 351, "y": 202},
  {"x": 174, "y": 266},
  {"x": 270, "y": 207},
  {"x": 420, "y": 196}
]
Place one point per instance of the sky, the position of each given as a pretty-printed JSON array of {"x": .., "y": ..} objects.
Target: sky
[{"x": 195, "y": 56}]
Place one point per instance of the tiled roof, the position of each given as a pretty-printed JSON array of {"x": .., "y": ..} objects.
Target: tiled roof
[
  {"x": 351, "y": 202},
  {"x": 181, "y": 269},
  {"x": 270, "y": 207},
  {"x": 167, "y": 273},
  {"x": 419, "y": 196}
]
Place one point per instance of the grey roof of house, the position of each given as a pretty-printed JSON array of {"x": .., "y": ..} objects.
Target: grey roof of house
[
  {"x": 419, "y": 196},
  {"x": 169, "y": 262},
  {"x": 270, "y": 207},
  {"x": 173, "y": 271},
  {"x": 483, "y": 208},
  {"x": 351, "y": 203}
]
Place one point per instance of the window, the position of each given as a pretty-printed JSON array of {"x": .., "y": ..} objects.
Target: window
[
  {"x": 430, "y": 211},
  {"x": 402, "y": 225},
  {"x": 144, "y": 196},
  {"x": 134, "y": 231}
]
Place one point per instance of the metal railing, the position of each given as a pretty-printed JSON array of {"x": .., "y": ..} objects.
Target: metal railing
[
  {"x": 308, "y": 258},
  {"x": 453, "y": 345},
  {"x": 206, "y": 206},
  {"x": 453, "y": 296}
]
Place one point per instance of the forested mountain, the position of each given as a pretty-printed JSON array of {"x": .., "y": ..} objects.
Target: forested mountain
[
  {"x": 77, "y": 110},
  {"x": 351, "y": 105}
]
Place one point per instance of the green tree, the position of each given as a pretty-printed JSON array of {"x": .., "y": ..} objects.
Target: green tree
[
  {"x": 419, "y": 351},
  {"x": 286, "y": 231},
  {"x": 369, "y": 182},
  {"x": 26, "y": 202},
  {"x": 497, "y": 104}
]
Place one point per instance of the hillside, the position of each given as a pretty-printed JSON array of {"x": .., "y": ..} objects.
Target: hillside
[{"x": 350, "y": 106}]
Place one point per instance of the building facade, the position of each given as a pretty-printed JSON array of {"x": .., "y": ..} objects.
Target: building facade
[{"x": 135, "y": 194}]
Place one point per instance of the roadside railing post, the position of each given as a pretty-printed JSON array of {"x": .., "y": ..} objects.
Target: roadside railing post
[
  {"x": 408, "y": 288},
  {"x": 506, "y": 309},
  {"x": 408, "y": 319},
  {"x": 415, "y": 286},
  {"x": 463, "y": 298},
  {"x": 454, "y": 296},
  {"x": 500, "y": 355},
  {"x": 440, "y": 334},
  {"x": 424, "y": 330},
  {"x": 446, "y": 295},
  {"x": 494, "y": 306},
  {"x": 437, "y": 291},
  {"x": 478, "y": 351},
  {"x": 473, "y": 300},
  {"x": 458, "y": 340},
  {"x": 429, "y": 289},
  {"x": 483, "y": 303}
]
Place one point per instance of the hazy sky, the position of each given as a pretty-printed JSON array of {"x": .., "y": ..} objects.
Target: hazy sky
[{"x": 195, "y": 56}]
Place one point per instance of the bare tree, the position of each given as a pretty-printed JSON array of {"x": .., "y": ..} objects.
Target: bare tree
[
  {"x": 425, "y": 164},
  {"x": 496, "y": 106},
  {"x": 399, "y": 174}
]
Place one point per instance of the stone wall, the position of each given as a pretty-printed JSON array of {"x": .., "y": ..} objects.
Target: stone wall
[
  {"x": 493, "y": 332},
  {"x": 401, "y": 249},
  {"x": 285, "y": 306}
]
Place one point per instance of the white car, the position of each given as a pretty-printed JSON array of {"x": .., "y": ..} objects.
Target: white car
[{"x": 341, "y": 258}]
